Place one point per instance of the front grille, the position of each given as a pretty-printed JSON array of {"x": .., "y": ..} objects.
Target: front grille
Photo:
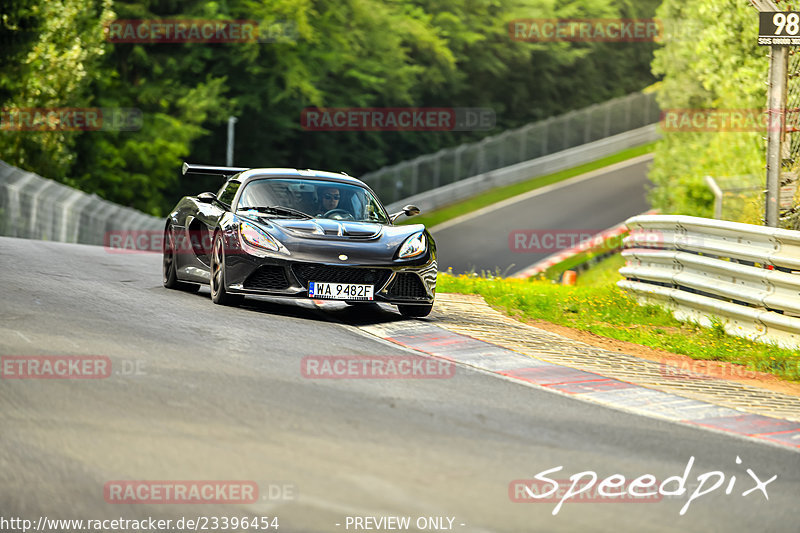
[
  {"x": 267, "y": 277},
  {"x": 337, "y": 274},
  {"x": 407, "y": 285}
]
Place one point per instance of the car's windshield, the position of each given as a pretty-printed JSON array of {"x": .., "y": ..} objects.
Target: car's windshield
[{"x": 316, "y": 198}]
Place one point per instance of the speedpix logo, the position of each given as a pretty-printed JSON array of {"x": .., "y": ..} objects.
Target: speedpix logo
[{"x": 642, "y": 489}]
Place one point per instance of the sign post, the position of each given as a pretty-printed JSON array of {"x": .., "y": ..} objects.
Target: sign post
[{"x": 778, "y": 30}]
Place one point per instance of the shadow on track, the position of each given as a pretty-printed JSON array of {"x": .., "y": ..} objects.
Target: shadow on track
[{"x": 362, "y": 314}]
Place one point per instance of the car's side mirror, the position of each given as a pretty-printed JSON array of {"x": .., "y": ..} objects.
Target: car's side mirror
[
  {"x": 206, "y": 197},
  {"x": 408, "y": 210}
]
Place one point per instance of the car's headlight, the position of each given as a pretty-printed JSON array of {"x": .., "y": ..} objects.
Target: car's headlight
[
  {"x": 413, "y": 246},
  {"x": 258, "y": 238}
]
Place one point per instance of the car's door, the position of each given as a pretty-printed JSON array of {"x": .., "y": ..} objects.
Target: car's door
[{"x": 201, "y": 229}]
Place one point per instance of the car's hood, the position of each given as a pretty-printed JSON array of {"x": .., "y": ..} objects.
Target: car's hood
[
  {"x": 322, "y": 227},
  {"x": 325, "y": 240}
]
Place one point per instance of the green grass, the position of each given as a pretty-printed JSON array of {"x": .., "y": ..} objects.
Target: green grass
[
  {"x": 502, "y": 193},
  {"x": 598, "y": 306},
  {"x": 606, "y": 272},
  {"x": 584, "y": 258}
]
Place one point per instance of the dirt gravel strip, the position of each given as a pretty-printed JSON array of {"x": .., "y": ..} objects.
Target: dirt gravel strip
[{"x": 464, "y": 329}]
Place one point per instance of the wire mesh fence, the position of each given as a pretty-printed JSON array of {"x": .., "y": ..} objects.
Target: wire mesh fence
[
  {"x": 395, "y": 182},
  {"x": 33, "y": 207}
]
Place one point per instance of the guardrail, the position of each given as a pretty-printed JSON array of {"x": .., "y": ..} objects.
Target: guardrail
[
  {"x": 536, "y": 140},
  {"x": 33, "y": 207},
  {"x": 746, "y": 276}
]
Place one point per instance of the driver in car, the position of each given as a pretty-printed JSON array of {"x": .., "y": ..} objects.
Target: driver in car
[{"x": 328, "y": 199}]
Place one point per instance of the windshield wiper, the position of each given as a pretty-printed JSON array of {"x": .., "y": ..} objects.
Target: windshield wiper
[{"x": 278, "y": 210}]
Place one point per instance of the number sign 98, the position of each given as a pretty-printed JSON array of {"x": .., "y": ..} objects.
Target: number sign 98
[{"x": 791, "y": 23}]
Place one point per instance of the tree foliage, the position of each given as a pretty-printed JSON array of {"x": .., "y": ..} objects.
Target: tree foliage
[
  {"x": 709, "y": 60},
  {"x": 54, "y": 54},
  {"x": 333, "y": 53}
]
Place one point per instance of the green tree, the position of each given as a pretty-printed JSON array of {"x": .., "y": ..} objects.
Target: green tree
[
  {"x": 335, "y": 53},
  {"x": 177, "y": 97},
  {"x": 54, "y": 51},
  {"x": 709, "y": 60}
]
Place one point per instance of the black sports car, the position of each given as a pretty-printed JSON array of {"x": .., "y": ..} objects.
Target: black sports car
[{"x": 299, "y": 234}]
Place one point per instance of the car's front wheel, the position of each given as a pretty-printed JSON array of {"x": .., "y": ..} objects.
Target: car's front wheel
[
  {"x": 169, "y": 270},
  {"x": 415, "y": 310},
  {"x": 219, "y": 295}
]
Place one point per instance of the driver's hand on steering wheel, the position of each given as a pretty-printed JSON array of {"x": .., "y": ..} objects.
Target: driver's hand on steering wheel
[{"x": 338, "y": 214}]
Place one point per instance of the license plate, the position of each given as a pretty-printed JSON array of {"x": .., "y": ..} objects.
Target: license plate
[{"x": 340, "y": 291}]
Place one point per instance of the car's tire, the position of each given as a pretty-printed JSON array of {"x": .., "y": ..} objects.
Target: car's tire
[
  {"x": 169, "y": 274},
  {"x": 415, "y": 310},
  {"x": 218, "y": 293}
]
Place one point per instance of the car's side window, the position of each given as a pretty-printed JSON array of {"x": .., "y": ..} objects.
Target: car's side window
[{"x": 227, "y": 194}]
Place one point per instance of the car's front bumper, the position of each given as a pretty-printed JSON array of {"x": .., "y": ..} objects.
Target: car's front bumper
[{"x": 279, "y": 275}]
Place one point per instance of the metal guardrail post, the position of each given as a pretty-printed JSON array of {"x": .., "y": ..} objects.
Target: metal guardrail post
[
  {"x": 546, "y": 136},
  {"x": 776, "y": 108},
  {"x": 628, "y": 114},
  {"x": 712, "y": 184},
  {"x": 587, "y": 129},
  {"x": 523, "y": 141},
  {"x": 414, "y": 176},
  {"x": 776, "y": 105}
]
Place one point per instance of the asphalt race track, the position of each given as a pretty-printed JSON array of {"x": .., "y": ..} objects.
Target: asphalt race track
[
  {"x": 203, "y": 392},
  {"x": 481, "y": 241}
]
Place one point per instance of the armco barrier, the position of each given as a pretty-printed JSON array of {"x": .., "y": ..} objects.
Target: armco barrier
[
  {"x": 744, "y": 275},
  {"x": 33, "y": 207}
]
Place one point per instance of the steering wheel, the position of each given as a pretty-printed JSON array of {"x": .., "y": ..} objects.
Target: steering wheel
[{"x": 345, "y": 215}]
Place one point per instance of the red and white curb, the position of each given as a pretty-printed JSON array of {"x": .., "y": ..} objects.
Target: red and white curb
[
  {"x": 586, "y": 245},
  {"x": 588, "y": 386}
]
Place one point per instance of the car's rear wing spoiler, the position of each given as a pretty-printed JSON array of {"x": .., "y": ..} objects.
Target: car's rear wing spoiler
[{"x": 190, "y": 168}]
